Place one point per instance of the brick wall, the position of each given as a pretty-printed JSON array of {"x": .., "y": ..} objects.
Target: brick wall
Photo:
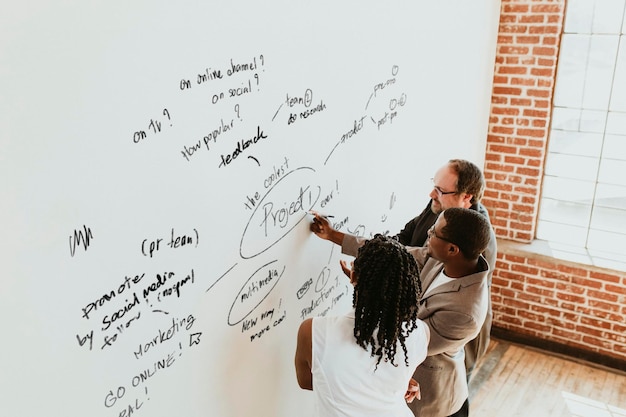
[{"x": 567, "y": 305}]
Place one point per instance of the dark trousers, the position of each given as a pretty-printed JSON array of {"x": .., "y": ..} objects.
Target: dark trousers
[{"x": 464, "y": 411}]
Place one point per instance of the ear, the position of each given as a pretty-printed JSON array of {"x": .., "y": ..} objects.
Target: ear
[
  {"x": 453, "y": 250},
  {"x": 467, "y": 200}
]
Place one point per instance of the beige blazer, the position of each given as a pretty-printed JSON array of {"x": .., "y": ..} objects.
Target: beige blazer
[{"x": 454, "y": 313}]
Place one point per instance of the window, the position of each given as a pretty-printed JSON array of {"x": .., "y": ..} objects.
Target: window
[{"x": 583, "y": 205}]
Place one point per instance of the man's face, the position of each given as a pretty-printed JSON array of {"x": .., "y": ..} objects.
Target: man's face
[
  {"x": 437, "y": 244},
  {"x": 444, "y": 193}
]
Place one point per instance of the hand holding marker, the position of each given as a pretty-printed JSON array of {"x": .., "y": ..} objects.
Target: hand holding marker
[{"x": 326, "y": 216}]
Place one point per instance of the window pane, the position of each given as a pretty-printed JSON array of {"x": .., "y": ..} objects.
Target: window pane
[
  {"x": 568, "y": 91},
  {"x": 566, "y": 189},
  {"x": 565, "y": 212},
  {"x": 611, "y": 196},
  {"x": 570, "y": 166},
  {"x": 592, "y": 121},
  {"x": 607, "y": 241},
  {"x": 614, "y": 147},
  {"x": 565, "y": 118},
  {"x": 602, "y": 56},
  {"x": 609, "y": 220},
  {"x": 561, "y": 233},
  {"x": 576, "y": 143},
  {"x": 618, "y": 94},
  {"x": 616, "y": 123},
  {"x": 613, "y": 172},
  {"x": 605, "y": 18},
  {"x": 579, "y": 16}
]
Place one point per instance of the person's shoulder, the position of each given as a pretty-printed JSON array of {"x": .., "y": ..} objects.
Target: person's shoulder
[
  {"x": 479, "y": 207},
  {"x": 306, "y": 326}
]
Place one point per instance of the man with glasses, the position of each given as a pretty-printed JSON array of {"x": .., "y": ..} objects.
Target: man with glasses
[{"x": 454, "y": 304}]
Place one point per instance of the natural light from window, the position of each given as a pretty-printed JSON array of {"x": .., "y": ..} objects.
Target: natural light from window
[
  {"x": 585, "y": 407},
  {"x": 583, "y": 206}
]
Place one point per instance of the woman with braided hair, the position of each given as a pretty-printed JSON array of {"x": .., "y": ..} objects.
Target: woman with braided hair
[{"x": 360, "y": 364}]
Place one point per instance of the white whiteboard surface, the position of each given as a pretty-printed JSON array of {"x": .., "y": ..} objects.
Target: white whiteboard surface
[{"x": 157, "y": 161}]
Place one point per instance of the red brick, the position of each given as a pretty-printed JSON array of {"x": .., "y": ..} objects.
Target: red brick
[
  {"x": 570, "y": 288},
  {"x": 514, "y": 29},
  {"x": 514, "y": 8},
  {"x": 586, "y": 283},
  {"x": 528, "y": 39},
  {"x": 537, "y": 133},
  {"x": 502, "y": 149},
  {"x": 512, "y": 60},
  {"x": 538, "y": 93},
  {"x": 533, "y": 18},
  {"x": 512, "y": 49},
  {"x": 504, "y": 110},
  {"x": 537, "y": 326},
  {"x": 550, "y": 40},
  {"x": 507, "y": 91},
  {"x": 541, "y": 72},
  {"x": 539, "y": 123},
  {"x": 543, "y": 29},
  {"x": 572, "y": 270},
  {"x": 570, "y": 297},
  {"x": 615, "y": 289},
  {"x": 542, "y": 7},
  {"x": 566, "y": 334},
  {"x": 601, "y": 295},
  {"x": 599, "y": 324},
  {"x": 527, "y": 171},
  {"x": 522, "y": 102},
  {"x": 604, "y": 276},
  {"x": 547, "y": 62},
  {"x": 523, "y": 81}
]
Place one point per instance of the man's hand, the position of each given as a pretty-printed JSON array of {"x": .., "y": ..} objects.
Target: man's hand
[{"x": 413, "y": 391}]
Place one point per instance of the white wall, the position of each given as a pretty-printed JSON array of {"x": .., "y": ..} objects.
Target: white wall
[{"x": 89, "y": 204}]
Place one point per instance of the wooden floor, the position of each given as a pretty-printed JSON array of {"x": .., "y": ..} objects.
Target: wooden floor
[{"x": 514, "y": 380}]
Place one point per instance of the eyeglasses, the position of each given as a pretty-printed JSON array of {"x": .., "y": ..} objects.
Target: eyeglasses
[
  {"x": 433, "y": 233},
  {"x": 439, "y": 191}
]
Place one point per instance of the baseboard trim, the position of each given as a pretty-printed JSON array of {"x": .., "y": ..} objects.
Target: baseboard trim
[{"x": 559, "y": 348}]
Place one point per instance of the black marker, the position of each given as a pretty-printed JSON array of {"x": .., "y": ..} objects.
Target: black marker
[{"x": 326, "y": 216}]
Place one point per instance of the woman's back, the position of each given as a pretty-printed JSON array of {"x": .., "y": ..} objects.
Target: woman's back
[{"x": 346, "y": 380}]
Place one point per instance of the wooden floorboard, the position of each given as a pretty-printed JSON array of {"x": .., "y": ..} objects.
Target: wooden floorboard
[{"x": 520, "y": 381}]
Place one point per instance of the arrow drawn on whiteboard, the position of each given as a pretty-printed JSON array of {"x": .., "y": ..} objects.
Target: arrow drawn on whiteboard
[
  {"x": 194, "y": 339},
  {"x": 252, "y": 157},
  {"x": 276, "y": 114},
  {"x": 368, "y": 101},
  {"x": 223, "y": 275}
]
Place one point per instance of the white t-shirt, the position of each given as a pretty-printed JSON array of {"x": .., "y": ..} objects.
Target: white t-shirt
[
  {"x": 438, "y": 281},
  {"x": 344, "y": 381}
]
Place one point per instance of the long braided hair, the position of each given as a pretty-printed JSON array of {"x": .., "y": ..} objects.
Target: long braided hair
[{"x": 385, "y": 297}]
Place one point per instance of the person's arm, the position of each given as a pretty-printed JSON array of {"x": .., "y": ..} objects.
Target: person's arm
[
  {"x": 304, "y": 355},
  {"x": 449, "y": 330},
  {"x": 322, "y": 228},
  {"x": 404, "y": 236},
  {"x": 415, "y": 231}
]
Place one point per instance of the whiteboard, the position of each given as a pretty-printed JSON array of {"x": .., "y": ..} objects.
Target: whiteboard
[{"x": 157, "y": 163}]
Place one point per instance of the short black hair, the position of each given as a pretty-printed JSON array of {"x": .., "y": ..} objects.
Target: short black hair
[{"x": 468, "y": 229}]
